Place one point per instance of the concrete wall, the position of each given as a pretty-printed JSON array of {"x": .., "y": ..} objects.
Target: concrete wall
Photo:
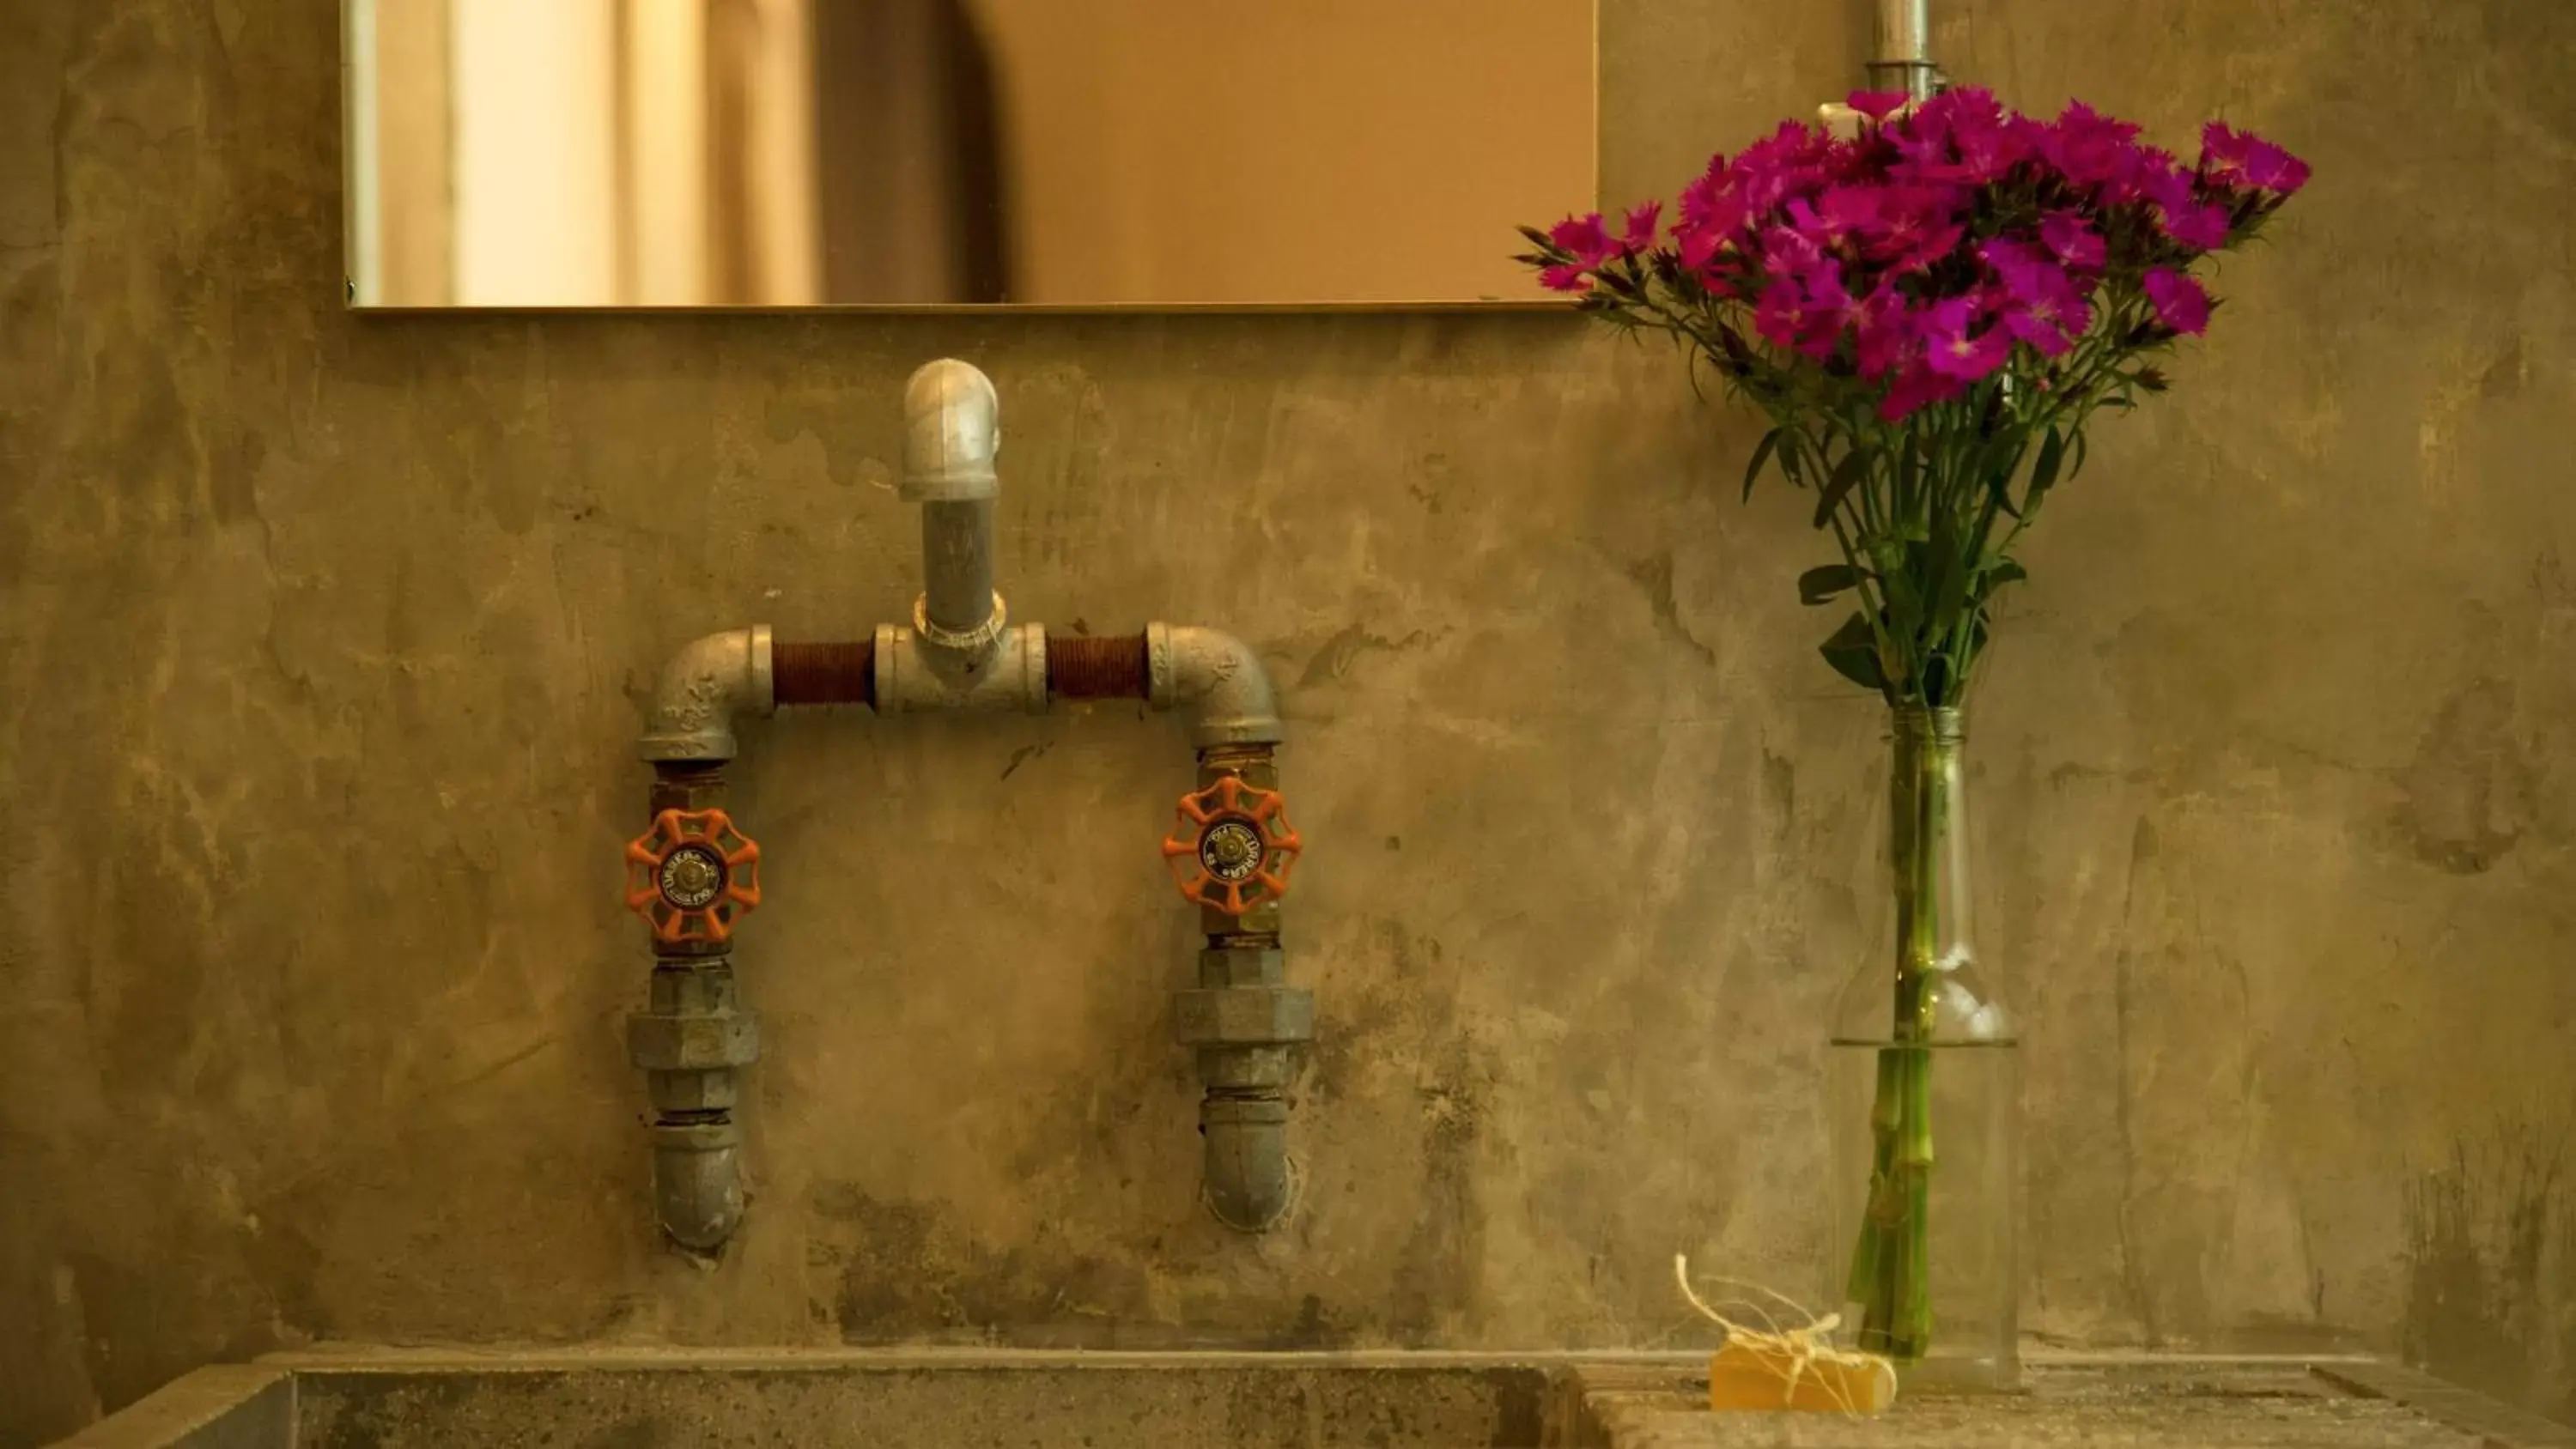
[{"x": 321, "y": 643}]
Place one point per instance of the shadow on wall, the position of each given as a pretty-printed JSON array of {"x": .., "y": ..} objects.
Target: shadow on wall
[{"x": 2485, "y": 1234}]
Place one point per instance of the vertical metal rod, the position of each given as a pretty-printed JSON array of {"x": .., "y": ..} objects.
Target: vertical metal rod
[{"x": 1904, "y": 50}]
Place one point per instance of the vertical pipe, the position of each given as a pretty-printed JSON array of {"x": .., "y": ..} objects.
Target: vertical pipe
[
  {"x": 692, "y": 1040},
  {"x": 1246, "y": 1063},
  {"x": 957, "y": 565},
  {"x": 1904, "y": 50},
  {"x": 952, "y": 430}
]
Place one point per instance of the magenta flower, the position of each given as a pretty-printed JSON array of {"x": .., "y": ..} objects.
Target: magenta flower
[
  {"x": 1877, "y": 105},
  {"x": 2041, "y": 305},
  {"x": 1949, "y": 242},
  {"x": 2180, "y": 302},
  {"x": 1789, "y": 162},
  {"x": 2240, "y": 158},
  {"x": 1917, "y": 388},
  {"x": 1916, "y": 227},
  {"x": 1696, "y": 249},
  {"x": 1887, "y": 339},
  {"x": 1707, "y": 202},
  {"x": 1955, "y": 347},
  {"x": 2089, "y": 148},
  {"x": 2139, "y": 177},
  {"x": 1641, "y": 227},
  {"x": 1585, "y": 237},
  {"x": 1826, "y": 226},
  {"x": 1806, "y": 312},
  {"x": 2074, "y": 243},
  {"x": 1787, "y": 251}
]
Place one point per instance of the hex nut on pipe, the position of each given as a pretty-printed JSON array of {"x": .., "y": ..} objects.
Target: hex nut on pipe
[
  {"x": 1244, "y": 1016},
  {"x": 690, "y": 1043}
]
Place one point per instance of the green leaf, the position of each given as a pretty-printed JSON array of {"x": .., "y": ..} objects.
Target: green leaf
[
  {"x": 1790, "y": 467},
  {"x": 2052, "y": 456},
  {"x": 1853, "y": 652},
  {"x": 2003, "y": 571},
  {"x": 2082, "y": 449},
  {"x": 2043, "y": 476},
  {"x": 1948, "y": 589},
  {"x": 1761, "y": 454},
  {"x": 1909, "y": 474},
  {"x": 1820, "y": 585},
  {"x": 1901, "y": 580},
  {"x": 1847, "y": 473}
]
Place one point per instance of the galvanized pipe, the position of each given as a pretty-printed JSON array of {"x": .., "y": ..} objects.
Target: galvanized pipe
[
  {"x": 1219, "y": 678},
  {"x": 961, "y": 655},
  {"x": 952, "y": 432},
  {"x": 701, "y": 690},
  {"x": 1904, "y": 50},
  {"x": 957, "y": 567}
]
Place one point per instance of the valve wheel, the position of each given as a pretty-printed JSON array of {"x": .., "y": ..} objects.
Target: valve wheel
[
  {"x": 1233, "y": 848},
  {"x": 692, "y": 876}
]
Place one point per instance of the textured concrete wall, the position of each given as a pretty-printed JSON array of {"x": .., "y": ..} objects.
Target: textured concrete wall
[{"x": 321, "y": 643}]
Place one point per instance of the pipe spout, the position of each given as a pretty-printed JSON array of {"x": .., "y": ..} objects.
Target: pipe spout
[
  {"x": 952, "y": 432},
  {"x": 1250, "y": 1181},
  {"x": 697, "y": 1183},
  {"x": 703, "y": 687},
  {"x": 1219, "y": 678}
]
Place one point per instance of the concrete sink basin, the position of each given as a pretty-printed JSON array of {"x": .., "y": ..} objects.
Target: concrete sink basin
[
  {"x": 958, "y": 1399},
  {"x": 939, "y": 1399}
]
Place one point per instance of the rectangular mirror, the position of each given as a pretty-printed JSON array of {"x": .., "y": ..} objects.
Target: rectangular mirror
[{"x": 935, "y": 153}]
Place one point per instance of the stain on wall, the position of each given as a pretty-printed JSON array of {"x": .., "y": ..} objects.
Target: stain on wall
[{"x": 322, "y": 641}]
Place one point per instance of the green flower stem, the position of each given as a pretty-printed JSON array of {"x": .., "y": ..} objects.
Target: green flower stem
[{"x": 1890, "y": 1275}]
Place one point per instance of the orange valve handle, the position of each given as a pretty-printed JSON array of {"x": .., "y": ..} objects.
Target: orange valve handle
[
  {"x": 1233, "y": 848},
  {"x": 692, "y": 876}
]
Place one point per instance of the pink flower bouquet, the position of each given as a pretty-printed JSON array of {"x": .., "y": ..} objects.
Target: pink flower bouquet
[{"x": 1930, "y": 312}]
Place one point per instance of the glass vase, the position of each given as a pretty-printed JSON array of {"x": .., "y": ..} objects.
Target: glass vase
[{"x": 1925, "y": 1075}]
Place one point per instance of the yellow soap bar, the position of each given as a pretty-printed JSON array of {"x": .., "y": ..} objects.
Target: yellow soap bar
[{"x": 1744, "y": 1376}]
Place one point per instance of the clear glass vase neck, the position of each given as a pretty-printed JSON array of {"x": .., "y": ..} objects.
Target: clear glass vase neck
[{"x": 1925, "y": 982}]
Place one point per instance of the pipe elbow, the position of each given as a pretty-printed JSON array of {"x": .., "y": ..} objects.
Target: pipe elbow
[
  {"x": 951, "y": 432},
  {"x": 1219, "y": 679},
  {"x": 703, "y": 687},
  {"x": 697, "y": 1184},
  {"x": 1250, "y": 1181}
]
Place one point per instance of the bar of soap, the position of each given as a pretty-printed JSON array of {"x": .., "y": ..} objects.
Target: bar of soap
[{"x": 1746, "y": 1376}]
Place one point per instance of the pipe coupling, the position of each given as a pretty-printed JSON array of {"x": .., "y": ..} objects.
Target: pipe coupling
[
  {"x": 915, "y": 676},
  {"x": 973, "y": 641}
]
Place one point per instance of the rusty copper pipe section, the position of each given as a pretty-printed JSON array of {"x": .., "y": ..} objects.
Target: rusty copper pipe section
[
  {"x": 1083, "y": 668},
  {"x": 826, "y": 673}
]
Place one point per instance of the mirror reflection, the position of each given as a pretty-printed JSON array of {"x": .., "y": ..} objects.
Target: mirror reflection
[{"x": 1069, "y": 153}]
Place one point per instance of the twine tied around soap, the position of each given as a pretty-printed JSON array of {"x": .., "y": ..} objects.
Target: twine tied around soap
[{"x": 1792, "y": 1354}]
